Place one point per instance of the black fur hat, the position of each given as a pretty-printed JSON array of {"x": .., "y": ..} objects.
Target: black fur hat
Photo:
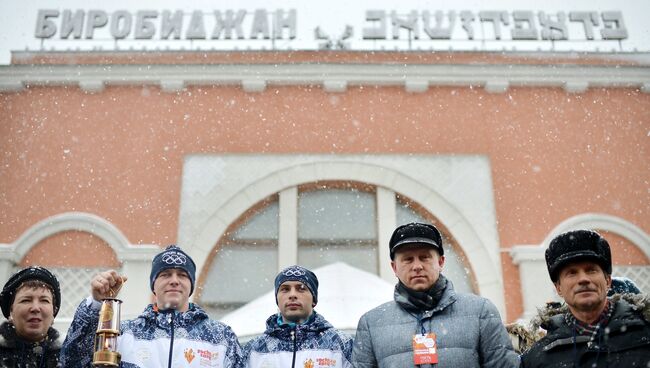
[
  {"x": 30, "y": 273},
  {"x": 577, "y": 245}
]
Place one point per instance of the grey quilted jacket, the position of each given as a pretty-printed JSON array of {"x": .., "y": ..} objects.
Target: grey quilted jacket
[{"x": 468, "y": 328}]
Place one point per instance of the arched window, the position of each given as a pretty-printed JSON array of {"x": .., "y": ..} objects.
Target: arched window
[{"x": 332, "y": 222}]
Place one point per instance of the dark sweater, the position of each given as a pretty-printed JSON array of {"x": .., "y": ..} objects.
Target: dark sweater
[{"x": 18, "y": 353}]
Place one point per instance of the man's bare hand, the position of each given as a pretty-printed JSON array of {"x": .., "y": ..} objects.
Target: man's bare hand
[{"x": 106, "y": 284}]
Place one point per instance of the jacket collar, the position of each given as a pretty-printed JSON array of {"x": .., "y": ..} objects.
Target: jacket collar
[
  {"x": 9, "y": 339},
  {"x": 181, "y": 319},
  {"x": 626, "y": 315},
  {"x": 448, "y": 297},
  {"x": 315, "y": 324},
  {"x": 627, "y": 307}
]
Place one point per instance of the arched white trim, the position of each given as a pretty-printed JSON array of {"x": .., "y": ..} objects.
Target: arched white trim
[
  {"x": 135, "y": 259},
  {"x": 70, "y": 221},
  {"x": 78, "y": 221},
  {"x": 599, "y": 221},
  {"x": 485, "y": 263}
]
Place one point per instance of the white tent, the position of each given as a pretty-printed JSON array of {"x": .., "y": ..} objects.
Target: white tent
[{"x": 344, "y": 294}]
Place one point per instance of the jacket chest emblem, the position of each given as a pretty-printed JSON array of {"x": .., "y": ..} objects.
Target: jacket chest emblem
[
  {"x": 326, "y": 362},
  {"x": 189, "y": 355},
  {"x": 319, "y": 362},
  {"x": 208, "y": 358}
]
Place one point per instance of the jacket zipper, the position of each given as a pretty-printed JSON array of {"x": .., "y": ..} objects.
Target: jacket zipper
[
  {"x": 293, "y": 337},
  {"x": 171, "y": 343}
]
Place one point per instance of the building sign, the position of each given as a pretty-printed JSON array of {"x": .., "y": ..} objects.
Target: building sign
[{"x": 377, "y": 29}]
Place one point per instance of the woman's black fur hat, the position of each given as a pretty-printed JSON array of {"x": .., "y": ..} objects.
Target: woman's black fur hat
[{"x": 30, "y": 273}]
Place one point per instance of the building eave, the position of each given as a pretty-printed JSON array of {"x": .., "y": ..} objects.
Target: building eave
[{"x": 414, "y": 78}]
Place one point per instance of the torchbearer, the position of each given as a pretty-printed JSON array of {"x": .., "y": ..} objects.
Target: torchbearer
[{"x": 172, "y": 332}]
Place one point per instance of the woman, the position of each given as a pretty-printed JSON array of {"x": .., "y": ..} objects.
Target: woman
[{"x": 30, "y": 300}]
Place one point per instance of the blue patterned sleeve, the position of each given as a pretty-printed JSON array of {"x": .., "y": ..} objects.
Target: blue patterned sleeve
[
  {"x": 348, "y": 344},
  {"x": 246, "y": 352},
  {"x": 234, "y": 352},
  {"x": 77, "y": 349}
]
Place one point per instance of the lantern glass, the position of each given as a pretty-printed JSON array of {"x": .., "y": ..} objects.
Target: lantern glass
[{"x": 108, "y": 329}]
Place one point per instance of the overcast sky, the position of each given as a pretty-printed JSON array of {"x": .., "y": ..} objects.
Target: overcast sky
[{"x": 18, "y": 24}]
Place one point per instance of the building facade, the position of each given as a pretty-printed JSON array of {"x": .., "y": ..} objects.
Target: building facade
[{"x": 255, "y": 160}]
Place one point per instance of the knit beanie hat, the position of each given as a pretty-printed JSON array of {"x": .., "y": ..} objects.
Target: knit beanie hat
[
  {"x": 30, "y": 273},
  {"x": 623, "y": 285},
  {"x": 172, "y": 257},
  {"x": 297, "y": 273},
  {"x": 577, "y": 245}
]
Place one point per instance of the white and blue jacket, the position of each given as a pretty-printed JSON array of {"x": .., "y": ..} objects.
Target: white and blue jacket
[
  {"x": 315, "y": 344},
  {"x": 156, "y": 339}
]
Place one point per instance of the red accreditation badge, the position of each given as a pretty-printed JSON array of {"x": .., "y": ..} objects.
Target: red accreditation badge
[{"x": 425, "y": 349}]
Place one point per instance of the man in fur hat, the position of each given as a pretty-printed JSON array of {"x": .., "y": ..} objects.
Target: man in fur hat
[{"x": 590, "y": 330}]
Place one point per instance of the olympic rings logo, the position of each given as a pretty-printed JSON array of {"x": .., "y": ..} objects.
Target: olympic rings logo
[
  {"x": 295, "y": 272},
  {"x": 173, "y": 258}
]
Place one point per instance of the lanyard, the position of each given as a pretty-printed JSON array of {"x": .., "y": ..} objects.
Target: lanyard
[{"x": 420, "y": 319}]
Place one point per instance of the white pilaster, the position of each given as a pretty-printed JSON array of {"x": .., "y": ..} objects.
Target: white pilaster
[
  {"x": 288, "y": 233},
  {"x": 386, "y": 220},
  {"x": 536, "y": 286},
  {"x": 136, "y": 292}
]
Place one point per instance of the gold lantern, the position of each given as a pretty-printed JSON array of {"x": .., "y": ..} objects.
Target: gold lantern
[{"x": 108, "y": 329}]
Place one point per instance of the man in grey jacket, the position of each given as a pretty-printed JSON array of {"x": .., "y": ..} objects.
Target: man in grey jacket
[{"x": 429, "y": 324}]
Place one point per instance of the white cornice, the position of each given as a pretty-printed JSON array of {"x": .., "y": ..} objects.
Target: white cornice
[
  {"x": 333, "y": 77},
  {"x": 527, "y": 253}
]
